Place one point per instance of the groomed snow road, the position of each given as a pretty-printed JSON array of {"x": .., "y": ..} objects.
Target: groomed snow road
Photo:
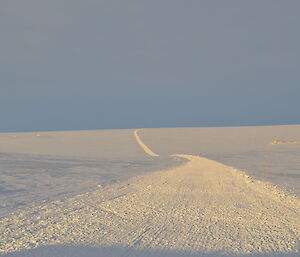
[{"x": 199, "y": 208}]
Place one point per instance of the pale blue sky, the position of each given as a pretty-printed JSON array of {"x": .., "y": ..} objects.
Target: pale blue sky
[{"x": 93, "y": 64}]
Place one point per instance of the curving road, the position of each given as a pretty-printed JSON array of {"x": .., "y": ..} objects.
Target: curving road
[
  {"x": 199, "y": 208},
  {"x": 146, "y": 149}
]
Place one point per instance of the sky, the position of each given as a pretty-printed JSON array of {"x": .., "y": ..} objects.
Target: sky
[{"x": 114, "y": 64}]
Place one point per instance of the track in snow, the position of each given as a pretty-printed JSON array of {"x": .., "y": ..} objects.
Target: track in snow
[
  {"x": 143, "y": 146},
  {"x": 201, "y": 207}
]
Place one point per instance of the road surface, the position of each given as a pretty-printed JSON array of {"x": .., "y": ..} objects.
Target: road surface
[{"x": 200, "y": 207}]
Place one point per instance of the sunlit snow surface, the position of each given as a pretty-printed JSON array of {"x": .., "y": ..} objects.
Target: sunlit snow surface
[
  {"x": 27, "y": 179},
  {"x": 245, "y": 148},
  {"x": 37, "y": 167},
  {"x": 83, "y": 205}
]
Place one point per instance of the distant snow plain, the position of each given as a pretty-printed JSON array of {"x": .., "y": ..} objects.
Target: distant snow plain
[{"x": 44, "y": 174}]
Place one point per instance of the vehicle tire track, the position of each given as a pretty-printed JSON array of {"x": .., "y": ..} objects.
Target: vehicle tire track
[
  {"x": 146, "y": 149},
  {"x": 200, "y": 207}
]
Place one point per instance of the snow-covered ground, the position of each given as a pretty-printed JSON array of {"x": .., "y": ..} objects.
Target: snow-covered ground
[
  {"x": 39, "y": 167},
  {"x": 200, "y": 207},
  {"x": 245, "y": 148}
]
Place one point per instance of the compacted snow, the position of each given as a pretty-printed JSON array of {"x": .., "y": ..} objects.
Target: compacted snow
[
  {"x": 246, "y": 148},
  {"x": 200, "y": 207},
  {"x": 38, "y": 167}
]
